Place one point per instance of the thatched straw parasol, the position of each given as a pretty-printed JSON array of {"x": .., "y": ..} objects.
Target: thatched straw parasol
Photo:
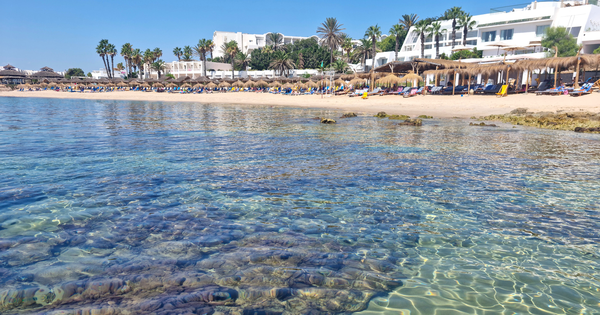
[
  {"x": 357, "y": 81},
  {"x": 224, "y": 84},
  {"x": 287, "y": 86},
  {"x": 274, "y": 84},
  {"x": 347, "y": 77},
  {"x": 110, "y": 85},
  {"x": 389, "y": 80},
  {"x": 145, "y": 85},
  {"x": 250, "y": 83},
  {"x": 43, "y": 84},
  {"x": 302, "y": 86},
  {"x": 134, "y": 83},
  {"x": 261, "y": 83},
  {"x": 411, "y": 77},
  {"x": 211, "y": 85},
  {"x": 238, "y": 84},
  {"x": 186, "y": 86},
  {"x": 311, "y": 84},
  {"x": 198, "y": 85},
  {"x": 158, "y": 85},
  {"x": 339, "y": 82},
  {"x": 122, "y": 84},
  {"x": 171, "y": 85}
]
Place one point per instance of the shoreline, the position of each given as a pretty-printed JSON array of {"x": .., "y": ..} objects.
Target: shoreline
[{"x": 438, "y": 106}]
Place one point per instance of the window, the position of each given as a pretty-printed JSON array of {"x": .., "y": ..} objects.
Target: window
[
  {"x": 429, "y": 39},
  {"x": 427, "y": 56},
  {"x": 472, "y": 42},
  {"x": 488, "y": 36},
  {"x": 428, "y": 46},
  {"x": 472, "y": 34},
  {"x": 506, "y": 34},
  {"x": 408, "y": 48},
  {"x": 383, "y": 61},
  {"x": 540, "y": 30},
  {"x": 575, "y": 31}
]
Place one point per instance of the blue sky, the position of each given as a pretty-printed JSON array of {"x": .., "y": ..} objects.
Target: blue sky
[{"x": 64, "y": 34}]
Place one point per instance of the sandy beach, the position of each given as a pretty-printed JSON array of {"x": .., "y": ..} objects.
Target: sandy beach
[{"x": 434, "y": 105}]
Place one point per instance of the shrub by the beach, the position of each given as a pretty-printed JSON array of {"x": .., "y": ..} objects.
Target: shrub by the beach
[
  {"x": 381, "y": 115},
  {"x": 399, "y": 117},
  {"x": 425, "y": 117}
]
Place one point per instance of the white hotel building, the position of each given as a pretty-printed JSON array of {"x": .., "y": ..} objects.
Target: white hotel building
[{"x": 518, "y": 27}]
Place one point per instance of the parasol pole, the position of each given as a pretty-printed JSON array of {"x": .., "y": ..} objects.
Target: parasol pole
[
  {"x": 555, "y": 68},
  {"x": 576, "y": 85}
]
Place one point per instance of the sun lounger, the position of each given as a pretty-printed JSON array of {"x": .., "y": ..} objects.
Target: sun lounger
[
  {"x": 503, "y": 91},
  {"x": 436, "y": 90},
  {"x": 585, "y": 90}
]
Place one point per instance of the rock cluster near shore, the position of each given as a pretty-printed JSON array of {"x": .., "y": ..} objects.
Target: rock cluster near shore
[{"x": 575, "y": 121}]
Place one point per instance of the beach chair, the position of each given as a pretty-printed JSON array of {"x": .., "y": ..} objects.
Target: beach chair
[
  {"x": 585, "y": 90},
  {"x": 503, "y": 91}
]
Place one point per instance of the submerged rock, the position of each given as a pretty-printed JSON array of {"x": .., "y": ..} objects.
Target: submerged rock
[
  {"x": 399, "y": 117},
  {"x": 349, "y": 115},
  {"x": 411, "y": 122},
  {"x": 482, "y": 124},
  {"x": 425, "y": 117},
  {"x": 327, "y": 121},
  {"x": 381, "y": 115},
  {"x": 587, "y": 130},
  {"x": 558, "y": 121}
]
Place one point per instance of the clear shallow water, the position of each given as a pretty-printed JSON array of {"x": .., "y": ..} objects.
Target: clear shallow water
[{"x": 133, "y": 208}]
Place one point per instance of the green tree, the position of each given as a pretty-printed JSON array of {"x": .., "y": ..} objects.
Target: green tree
[
  {"x": 408, "y": 20},
  {"x": 101, "y": 50},
  {"x": 435, "y": 30},
  {"x": 453, "y": 14},
  {"x": 136, "y": 59},
  {"x": 210, "y": 45},
  {"x": 363, "y": 50},
  {"x": 421, "y": 28},
  {"x": 230, "y": 49},
  {"x": 373, "y": 32},
  {"x": 275, "y": 39},
  {"x": 242, "y": 60},
  {"x": 466, "y": 54},
  {"x": 89, "y": 74},
  {"x": 386, "y": 44},
  {"x": 282, "y": 63},
  {"x": 119, "y": 67},
  {"x": 201, "y": 50},
  {"x": 111, "y": 51},
  {"x": 561, "y": 38},
  {"x": 399, "y": 34},
  {"x": 467, "y": 23},
  {"x": 74, "y": 72},
  {"x": 177, "y": 52},
  {"x": 158, "y": 66},
  {"x": 340, "y": 66},
  {"x": 331, "y": 34},
  {"x": 126, "y": 51},
  {"x": 187, "y": 53},
  {"x": 597, "y": 50}
]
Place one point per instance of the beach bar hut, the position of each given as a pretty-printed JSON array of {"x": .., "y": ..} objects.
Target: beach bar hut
[{"x": 10, "y": 75}]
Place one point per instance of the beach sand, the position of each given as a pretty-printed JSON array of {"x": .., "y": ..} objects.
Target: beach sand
[{"x": 439, "y": 106}]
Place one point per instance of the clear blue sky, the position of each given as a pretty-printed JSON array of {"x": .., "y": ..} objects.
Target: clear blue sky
[{"x": 63, "y": 34}]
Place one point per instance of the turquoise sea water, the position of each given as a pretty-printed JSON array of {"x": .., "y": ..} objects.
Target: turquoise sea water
[{"x": 113, "y": 207}]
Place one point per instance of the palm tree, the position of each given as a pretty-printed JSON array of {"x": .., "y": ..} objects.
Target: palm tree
[
  {"x": 111, "y": 51},
  {"x": 126, "y": 51},
  {"x": 281, "y": 62},
  {"x": 210, "y": 45},
  {"x": 158, "y": 66},
  {"x": 453, "y": 14},
  {"x": 421, "y": 29},
  {"x": 331, "y": 32},
  {"x": 363, "y": 50},
  {"x": 396, "y": 30},
  {"x": 268, "y": 49},
  {"x": 435, "y": 30},
  {"x": 157, "y": 53},
  {"x": 119, "y": 66},
  {"x": 373, "y": 32},
  {"x": 347, "y": 46},
  {"x": 187, "y": 53},
  {"x": 177, "y": 52},
  {"x": 276, "y": 39},
  {"x": 340, "y": 66},
  {"x": 101, "y": 51},
  {"x": 467, "y": 23},
  {"x": 300, "y": 63},
  {"x": 201, "y": 51},
  {"x": 148, "y": 58},
  {"x": 136, "y": 59},
  {"x": 408, "y": 20},
  {"x": 243, "y": 60},
  {"x": 231, "y": 49}
]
